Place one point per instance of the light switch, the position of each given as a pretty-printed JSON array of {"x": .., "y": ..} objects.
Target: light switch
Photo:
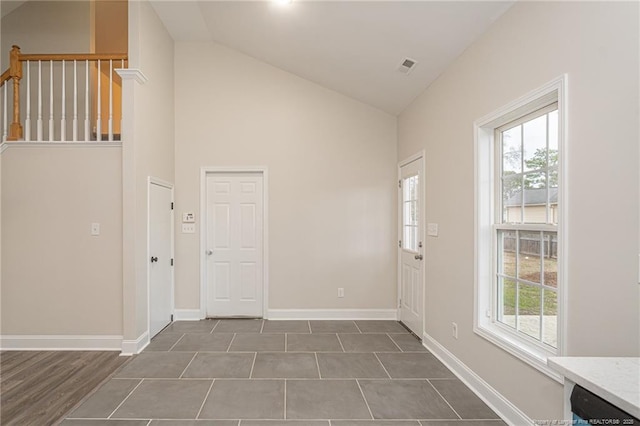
[
  {"x": 188, "y": 217},
  {"x": 188, "y": 228},
  {"x": 95, "y": 229},
  {"x": 432, "y": 229}
]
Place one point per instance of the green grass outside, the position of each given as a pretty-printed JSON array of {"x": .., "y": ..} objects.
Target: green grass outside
[{"x": 529, "y": 299}]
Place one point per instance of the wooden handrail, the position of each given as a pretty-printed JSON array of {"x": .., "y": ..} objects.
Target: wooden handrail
[
  {"x": 5, "y": 76},
  {"x": 74, "y": 57},
  {"x": 16, "y": 58}
]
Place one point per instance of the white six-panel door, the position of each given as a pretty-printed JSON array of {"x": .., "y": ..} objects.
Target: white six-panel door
[
  {"x": 234, "y": 244},
  {"x": 411, "y": 246},
  {"x": 160, "y": 241}
]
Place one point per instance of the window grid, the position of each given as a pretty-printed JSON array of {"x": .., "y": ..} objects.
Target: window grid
[
  {"x": 410, "y": 213},
  {"x": 526, "y": 176}
]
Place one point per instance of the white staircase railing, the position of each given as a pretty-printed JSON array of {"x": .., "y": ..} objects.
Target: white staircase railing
[{"x": 67, "y": 97}]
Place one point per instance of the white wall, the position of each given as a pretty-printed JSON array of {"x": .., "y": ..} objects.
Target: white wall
[
  {"x": 597, "y": 45},
  {"x": 57, "y": 279},
  {"x": 46, "y": 27},
  {"x": 332, "y": 177},
  {"x": 148, "y": 123}
]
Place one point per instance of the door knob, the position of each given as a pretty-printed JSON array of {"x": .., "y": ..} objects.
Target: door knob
[
  {"x": 154, "y": 259},
  {"x": 209, "y": 252},
  {"x": 418, "y": 257}
]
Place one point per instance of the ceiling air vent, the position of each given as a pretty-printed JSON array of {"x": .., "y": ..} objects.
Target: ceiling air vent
[{"x": 407, "y": 65}]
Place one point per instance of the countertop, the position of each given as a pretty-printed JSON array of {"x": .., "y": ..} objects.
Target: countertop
[{"x": 616, "y": 380}]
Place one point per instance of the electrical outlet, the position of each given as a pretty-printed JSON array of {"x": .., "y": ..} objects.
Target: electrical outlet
[
  {"x": 454, "y": 330},
  {"x": 340, "y": 292}
]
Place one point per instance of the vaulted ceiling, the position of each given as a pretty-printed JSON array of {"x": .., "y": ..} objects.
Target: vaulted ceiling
[{"x": 353, "y": 47}]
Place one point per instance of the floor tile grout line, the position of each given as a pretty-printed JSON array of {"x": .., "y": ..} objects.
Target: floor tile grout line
[
  {"x": 205, "y": 398},
  {"x": 214, "y": 327},
  {"x": 365, "y": 399},
  {"x": 125, "y": 398},
  {"x": 285, "y": 399},
  {"x": 199, "y": 379},
  {"x": 150, "y": 420},
  {"x": 309, "y": 325},
  {"x": 318, "y": 365},
  {"x": 356, "y": 324},
  {"x": 262, "y": 327},
  {"x": 394, "y": 342},
  {"x": 285, "y": 342},
  {"x": 381, "y": 363},
  {"x": 231, "y": 342},
  {"x": 177, "y": 341},
  {"x": 444, "y": 399},
  {"x": 340, "y": 341},
  {"x": 185, "y": 369},
  {"x": 255, "y": 355}
]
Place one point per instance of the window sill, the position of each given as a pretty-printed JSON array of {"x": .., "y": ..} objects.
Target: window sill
[{"x": 534, "y": 356}]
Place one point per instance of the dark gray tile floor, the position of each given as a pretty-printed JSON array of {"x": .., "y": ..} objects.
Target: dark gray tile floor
[{"x": 283, "y": 373}]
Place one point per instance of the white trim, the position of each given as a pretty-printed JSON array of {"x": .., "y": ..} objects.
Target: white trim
[
  {"x": 133, "y": 347},
  {"x": 531, "y": 101},
  {"x": 59, "y": 144},
  {"x": 132, "y": 74},
  {"x": 420, "y": 156},
  {"x": 333, "y": 314},
  {"x": 187, "y": 315},
  {"x": 484, "y": 194},
  {"x": 3, "y": 147},
  {"x": 411, "y": 159},
  {"x": 265, "y": 231},
  {"x": 495, "y": 400},
  {"x": 60, "y": 343},
  {"x": 159, "y": 182}
]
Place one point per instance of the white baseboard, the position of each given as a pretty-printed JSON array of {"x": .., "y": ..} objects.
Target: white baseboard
[
  {"x": 133, "y": 347},
  {"x": 187, "y": 315},
  {"x": 498, "y": 403},
  {"x": 60, "y": 343},
  {"x": 332, "y": 314}
]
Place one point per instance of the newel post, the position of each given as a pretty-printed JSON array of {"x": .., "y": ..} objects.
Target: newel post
[{"x": 15, "y": 72}]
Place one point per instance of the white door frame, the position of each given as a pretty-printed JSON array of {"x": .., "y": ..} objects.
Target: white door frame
[
  {"x": 208, "y": 170},
  {"x": 155, "y": 181},
  {"x": 420, "y": 156}
]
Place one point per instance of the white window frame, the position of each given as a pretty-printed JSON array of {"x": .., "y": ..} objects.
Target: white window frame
[{"x": 485, "y": 310}]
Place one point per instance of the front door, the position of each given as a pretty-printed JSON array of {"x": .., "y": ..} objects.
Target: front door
[
  {"x": 160, "y": 262},
  {"x": 410, "y": 246},
  {"x": 234, "y": 244}
]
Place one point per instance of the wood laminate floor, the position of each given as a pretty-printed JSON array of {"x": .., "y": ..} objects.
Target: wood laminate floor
[{"x": 38, "y": 388}]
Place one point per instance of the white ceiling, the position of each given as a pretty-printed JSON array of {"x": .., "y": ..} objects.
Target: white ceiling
[{"x": 352, "y": 47}]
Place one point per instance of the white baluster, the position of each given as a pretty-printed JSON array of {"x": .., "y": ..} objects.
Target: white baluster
[
  {"x": 27, "y": 118},
  {"x": 39, "y": 119},
  {"x": 4, "y": 114},
  {"x": 120, "y": 117},
  {"x": 75, "y": 100},
  {"x": 51, "y": 122},
  {"x": 110, "y": 100},
  {"x": 86, "y": 101},
  {"x": 99, "y": 121},
  {"x": 63, "y": 119}
]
